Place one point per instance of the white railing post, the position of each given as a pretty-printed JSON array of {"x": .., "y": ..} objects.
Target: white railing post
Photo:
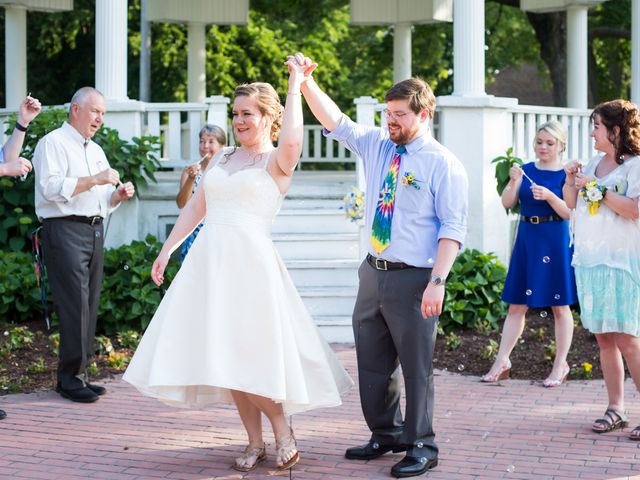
[
  {"x": 217, "y": 111},
  {"x": 365, "y": 115}
]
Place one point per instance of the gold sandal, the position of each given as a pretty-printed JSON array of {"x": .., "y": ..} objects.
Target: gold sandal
[
  {"x": 287, "y": 452},
  {"x": 250, "y": 458}
]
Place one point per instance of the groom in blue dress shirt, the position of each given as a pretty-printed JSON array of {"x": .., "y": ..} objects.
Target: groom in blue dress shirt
[{"x": 402, "y": 280}]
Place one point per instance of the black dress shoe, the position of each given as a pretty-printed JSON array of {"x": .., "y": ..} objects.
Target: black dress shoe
[
  {"x": 82, "y": 394},
  {"x": 97, "y": 389},
  {"x": 3, "y": 414},
  {"x": 412, "y": 466},
  {"x": 370, "y": 451}
]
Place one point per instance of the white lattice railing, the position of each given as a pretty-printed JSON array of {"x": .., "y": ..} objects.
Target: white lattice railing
[{"x": 526, "y": 119}]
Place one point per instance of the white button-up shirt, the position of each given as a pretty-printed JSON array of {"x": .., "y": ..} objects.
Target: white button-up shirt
[{"x": 61, "y": 157}]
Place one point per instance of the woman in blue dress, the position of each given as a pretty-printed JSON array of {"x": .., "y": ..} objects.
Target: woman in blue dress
[{"x": 540, "y": 272}]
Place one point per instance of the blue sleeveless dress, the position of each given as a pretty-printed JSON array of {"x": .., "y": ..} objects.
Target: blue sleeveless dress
[{"x": 540, "y": 272}]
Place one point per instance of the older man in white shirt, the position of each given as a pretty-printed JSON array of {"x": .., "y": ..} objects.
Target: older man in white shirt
[{"x": 75, "y": 190}]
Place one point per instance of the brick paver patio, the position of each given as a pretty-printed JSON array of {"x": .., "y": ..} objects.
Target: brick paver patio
[{"x": 516, "y": 431}]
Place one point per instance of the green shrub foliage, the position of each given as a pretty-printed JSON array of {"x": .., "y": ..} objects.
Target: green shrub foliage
[
  {"x": 129, "y": 296},
  {"x": 136, "y": 161},
  {"x": 473, "y": 292},
  {"x": 503, "y": 166},
  {"x": 19, "y": 293}
]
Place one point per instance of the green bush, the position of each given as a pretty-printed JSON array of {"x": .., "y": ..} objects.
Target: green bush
[
  {"x": 135, "y": 161},
  {"x": 473, "y": 292},
  {"x": 19, "y": 293},
  {"x": 503, "y": 166},
  {"x": 129, "y": 297}
]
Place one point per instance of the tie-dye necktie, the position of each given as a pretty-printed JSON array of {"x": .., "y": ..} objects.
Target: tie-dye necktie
[{"x": 381, "y": 228}]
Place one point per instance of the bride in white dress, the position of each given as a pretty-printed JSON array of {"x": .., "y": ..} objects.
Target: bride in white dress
[{"x": 232, "y": 327}]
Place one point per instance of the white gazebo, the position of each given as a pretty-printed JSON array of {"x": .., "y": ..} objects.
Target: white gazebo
[
  {"x": 15, "y": 44},
  {"x": 402, "y": 14},
  {"x": 197, "y": 14}
]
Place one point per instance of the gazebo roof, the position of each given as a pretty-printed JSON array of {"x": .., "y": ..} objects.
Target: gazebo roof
[
  {"x": 219, "y": 12},
  {"x": 40, "y": 5},
  {"x": 388, "y": 12},
  {"x": 546, "y": 6}
]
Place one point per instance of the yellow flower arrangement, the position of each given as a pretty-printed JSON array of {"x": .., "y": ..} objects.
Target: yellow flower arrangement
[{"x": 593, "y": 194}]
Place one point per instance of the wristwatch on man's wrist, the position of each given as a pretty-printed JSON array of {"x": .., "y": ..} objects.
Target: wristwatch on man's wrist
[{"x": 436, "y": 280}]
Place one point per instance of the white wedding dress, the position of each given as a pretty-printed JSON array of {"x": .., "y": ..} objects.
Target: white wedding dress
[{"x": 232, "y": 318}]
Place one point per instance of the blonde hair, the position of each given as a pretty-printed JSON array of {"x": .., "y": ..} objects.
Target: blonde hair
[
  {"x": 267, "y": 101},
  {"x": 557, "y": 131}
]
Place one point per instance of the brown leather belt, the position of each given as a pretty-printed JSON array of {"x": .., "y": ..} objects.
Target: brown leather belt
[
  {"x": 536, "y": 219},
  {"x": 380, "y": 264},
  {"x": 81, "y": 219}
]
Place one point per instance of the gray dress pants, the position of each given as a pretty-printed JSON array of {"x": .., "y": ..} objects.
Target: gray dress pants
[
  {"x": 74, "y": 257},
  {"x": 390, "y": 333}
]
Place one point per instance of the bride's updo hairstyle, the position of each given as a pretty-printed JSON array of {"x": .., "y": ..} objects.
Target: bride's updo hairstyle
[
  {"x": 624, "y": 115},
  {"x": 267, "y": 100}
]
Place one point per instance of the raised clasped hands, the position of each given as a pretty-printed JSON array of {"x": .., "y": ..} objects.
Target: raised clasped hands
[{"x": 299, "y": 65}]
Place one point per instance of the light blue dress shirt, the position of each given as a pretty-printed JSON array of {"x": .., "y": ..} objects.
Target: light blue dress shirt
[
  {"x": 1, "y": 154},
  {"x": 438, "y": 209}
]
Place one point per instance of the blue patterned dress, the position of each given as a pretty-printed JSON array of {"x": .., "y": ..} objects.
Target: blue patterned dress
[
  {"x": 186, "y": 245},
  {"x": 540, "y": 272}
]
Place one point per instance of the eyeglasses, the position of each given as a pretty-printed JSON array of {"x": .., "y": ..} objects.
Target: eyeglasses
[{"x": 395, "y": 115}]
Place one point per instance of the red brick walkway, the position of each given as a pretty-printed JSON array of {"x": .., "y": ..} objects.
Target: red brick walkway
[{"x": 515, "y": 431}]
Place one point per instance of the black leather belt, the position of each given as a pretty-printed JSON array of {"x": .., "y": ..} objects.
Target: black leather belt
[
  {"x": 536, "y": 219},
  {"x": 81, "y": 219},
  {"x": 380, "y": 264}
]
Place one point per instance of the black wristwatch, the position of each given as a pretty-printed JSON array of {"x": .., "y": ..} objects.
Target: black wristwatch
[{"x": 436, "y": 280}]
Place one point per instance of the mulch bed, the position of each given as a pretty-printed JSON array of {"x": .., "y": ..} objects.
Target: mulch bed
[{"x": 18, "y": 374}]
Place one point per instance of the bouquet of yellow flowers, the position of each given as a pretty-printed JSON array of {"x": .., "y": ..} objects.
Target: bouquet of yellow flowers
[
  {"x": 354, "y": 204},
  {"x": 593, "y": 194}
]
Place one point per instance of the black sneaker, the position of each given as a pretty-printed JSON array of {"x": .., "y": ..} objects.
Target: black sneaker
[{"x": 3, "y": 414}]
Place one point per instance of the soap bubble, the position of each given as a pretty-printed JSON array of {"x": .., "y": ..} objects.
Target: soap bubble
[
  {"x": 546, "y": 259},
  {"x": 557, "y": 296},
  {"x": 528, "y": 292},
  {"x": 543, "y": 314}
]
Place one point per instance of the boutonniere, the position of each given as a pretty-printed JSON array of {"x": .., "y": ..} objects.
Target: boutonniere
[
  {"x": 409, "y": 180},
  {"x": 593, "y": 194}
]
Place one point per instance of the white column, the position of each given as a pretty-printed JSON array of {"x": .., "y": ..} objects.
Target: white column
[
  {"x": 145, "y": 54},
  {"x": 577, "y": 72},
  {"x": 197, "y": 88},
  {"x": 477, "y": 130},
  {"x": 217, "y": 113},
  {"x": 468, "y": 48},
  {"x": 15, "y": 65},
  {"x": 635, "y": 51},
  {"x": 401, "y": 52},
  {"x": 111, "y": 48}
]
